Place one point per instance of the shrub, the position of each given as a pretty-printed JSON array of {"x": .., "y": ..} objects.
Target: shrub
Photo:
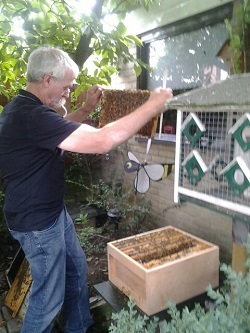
[{"x": 6, "y": 238}]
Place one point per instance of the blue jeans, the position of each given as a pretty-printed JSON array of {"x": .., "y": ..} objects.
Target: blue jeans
[{"x": 59, "y": 272}]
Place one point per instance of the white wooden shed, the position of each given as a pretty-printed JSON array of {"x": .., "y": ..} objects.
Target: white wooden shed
[{"x": 213, "y": 160}]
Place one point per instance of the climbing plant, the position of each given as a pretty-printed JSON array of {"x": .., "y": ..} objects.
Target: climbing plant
[{"x": 239, "y": 37}]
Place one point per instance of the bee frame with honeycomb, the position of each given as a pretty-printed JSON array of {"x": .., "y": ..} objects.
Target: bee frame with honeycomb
[{"x": 116, "y": 104}]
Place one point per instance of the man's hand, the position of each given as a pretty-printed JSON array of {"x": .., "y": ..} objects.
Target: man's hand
[
  {"x": 92, "y": 99},
  {"x": 93, "y": 96},
  {"x": 159, "y": 98}
]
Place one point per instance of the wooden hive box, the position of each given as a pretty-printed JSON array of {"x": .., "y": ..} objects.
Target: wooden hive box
[{"x": 162, "y": 265}]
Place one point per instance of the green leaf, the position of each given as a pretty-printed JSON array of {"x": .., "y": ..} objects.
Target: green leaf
[
  {"x": 104, "y": 62},
  {"x": 137, "y": 70},
  {"x": 135, "y": 39},
  {"x": 56, "y": 23},
  {"x": 121, "y": 29},
  {"x": 5, "y": 28}
]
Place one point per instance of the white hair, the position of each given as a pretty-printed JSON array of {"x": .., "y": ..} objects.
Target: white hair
[{"x": 49, "y": 60}]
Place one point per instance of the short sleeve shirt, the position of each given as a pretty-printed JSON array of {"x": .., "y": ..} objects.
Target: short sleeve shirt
[{"x": 31, "y": 164}]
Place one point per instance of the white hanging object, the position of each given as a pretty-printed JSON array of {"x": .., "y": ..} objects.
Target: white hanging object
[
  {"x": 144, "y": 171},
  {"x": 164, "y": 85}
]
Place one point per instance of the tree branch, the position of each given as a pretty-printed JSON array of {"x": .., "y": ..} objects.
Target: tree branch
[{"x": 83, "y": 50}]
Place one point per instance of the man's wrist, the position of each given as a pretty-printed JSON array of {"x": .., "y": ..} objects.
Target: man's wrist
[{"x": 85, "y": 109}]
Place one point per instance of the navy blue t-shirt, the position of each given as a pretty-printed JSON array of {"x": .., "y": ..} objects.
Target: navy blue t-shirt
[{"x": 31, "y": 164}]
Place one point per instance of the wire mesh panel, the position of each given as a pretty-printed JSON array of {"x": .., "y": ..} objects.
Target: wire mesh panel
[
  {"x": 212, "y": 161},
  {"x": 213, "y": 147}
]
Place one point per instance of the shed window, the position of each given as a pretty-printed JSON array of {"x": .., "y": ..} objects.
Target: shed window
[{"x": 190, "y": 53}]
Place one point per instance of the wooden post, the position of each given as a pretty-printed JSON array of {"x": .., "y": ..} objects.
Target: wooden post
[{"x": 239, "y": 257}]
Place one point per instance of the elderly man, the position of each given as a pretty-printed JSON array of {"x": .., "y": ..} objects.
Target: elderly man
[{"x": 33, "y": 140}]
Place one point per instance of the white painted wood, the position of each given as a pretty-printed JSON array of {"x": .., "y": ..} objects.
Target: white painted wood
[
  {"x": 232, "y": 206},
  {"x": 177, "y": 155}
]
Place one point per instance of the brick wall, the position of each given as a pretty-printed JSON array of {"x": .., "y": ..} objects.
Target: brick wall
[{"x": 126, "y": 78}]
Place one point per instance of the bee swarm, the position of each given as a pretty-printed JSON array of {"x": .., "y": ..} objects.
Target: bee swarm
[
  {"x": 118, "y": 103},
  {"x": 157, "y": 248}
]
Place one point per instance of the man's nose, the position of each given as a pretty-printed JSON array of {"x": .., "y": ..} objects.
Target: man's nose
[{"x": 66, "y": 93}]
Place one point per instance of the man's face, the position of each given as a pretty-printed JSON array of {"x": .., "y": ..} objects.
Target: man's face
[{"x": 59, "y": 91}]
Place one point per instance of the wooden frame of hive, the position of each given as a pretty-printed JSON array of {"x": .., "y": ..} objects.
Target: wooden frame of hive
[
  {"x": 175, "y": 280},
  {"x": 116, "y": 104}
]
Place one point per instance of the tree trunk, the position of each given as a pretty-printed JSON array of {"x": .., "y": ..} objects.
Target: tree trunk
[{"x": 83, "y": 50}]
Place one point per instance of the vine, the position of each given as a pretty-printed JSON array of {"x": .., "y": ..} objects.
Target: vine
[{"x": 239, "y": 30}]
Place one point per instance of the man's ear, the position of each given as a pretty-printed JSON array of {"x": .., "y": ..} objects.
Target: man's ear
[{"x": 47, "y": 80}]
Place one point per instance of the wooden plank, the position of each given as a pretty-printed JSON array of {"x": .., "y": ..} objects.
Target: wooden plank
[
  {"x": 19, "y": 288},
  {"x": 239, "y": 257},
  {"x": 112, "y": 295}
]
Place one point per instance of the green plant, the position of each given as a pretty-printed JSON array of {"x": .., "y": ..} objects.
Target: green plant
[
  {"x": 5, "y": 235},
  {"x": 82, "y": 219},
  {"x": 112, "y": 195},
  {"x": 83, "y": 172},
  {"x": 88, "y": 238},
  {"x": 27, "y": 24},
  {"x": 238, "y": 30},
  {"x": 130, "y": 321},
  {"x": 137, "y": 211},
  {"x": 80, "y": 170},
  {"x": 108, "y": 194},
  {"x": 229, "y": 311}
]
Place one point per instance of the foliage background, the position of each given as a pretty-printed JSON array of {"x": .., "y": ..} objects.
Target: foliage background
[{"x": 25, "y": 25}]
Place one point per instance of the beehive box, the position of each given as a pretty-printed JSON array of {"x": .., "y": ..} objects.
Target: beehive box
[{"x": 162, "y": 265}]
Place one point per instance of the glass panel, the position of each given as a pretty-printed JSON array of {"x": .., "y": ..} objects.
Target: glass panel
[{"x": 191, "y": 59}]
